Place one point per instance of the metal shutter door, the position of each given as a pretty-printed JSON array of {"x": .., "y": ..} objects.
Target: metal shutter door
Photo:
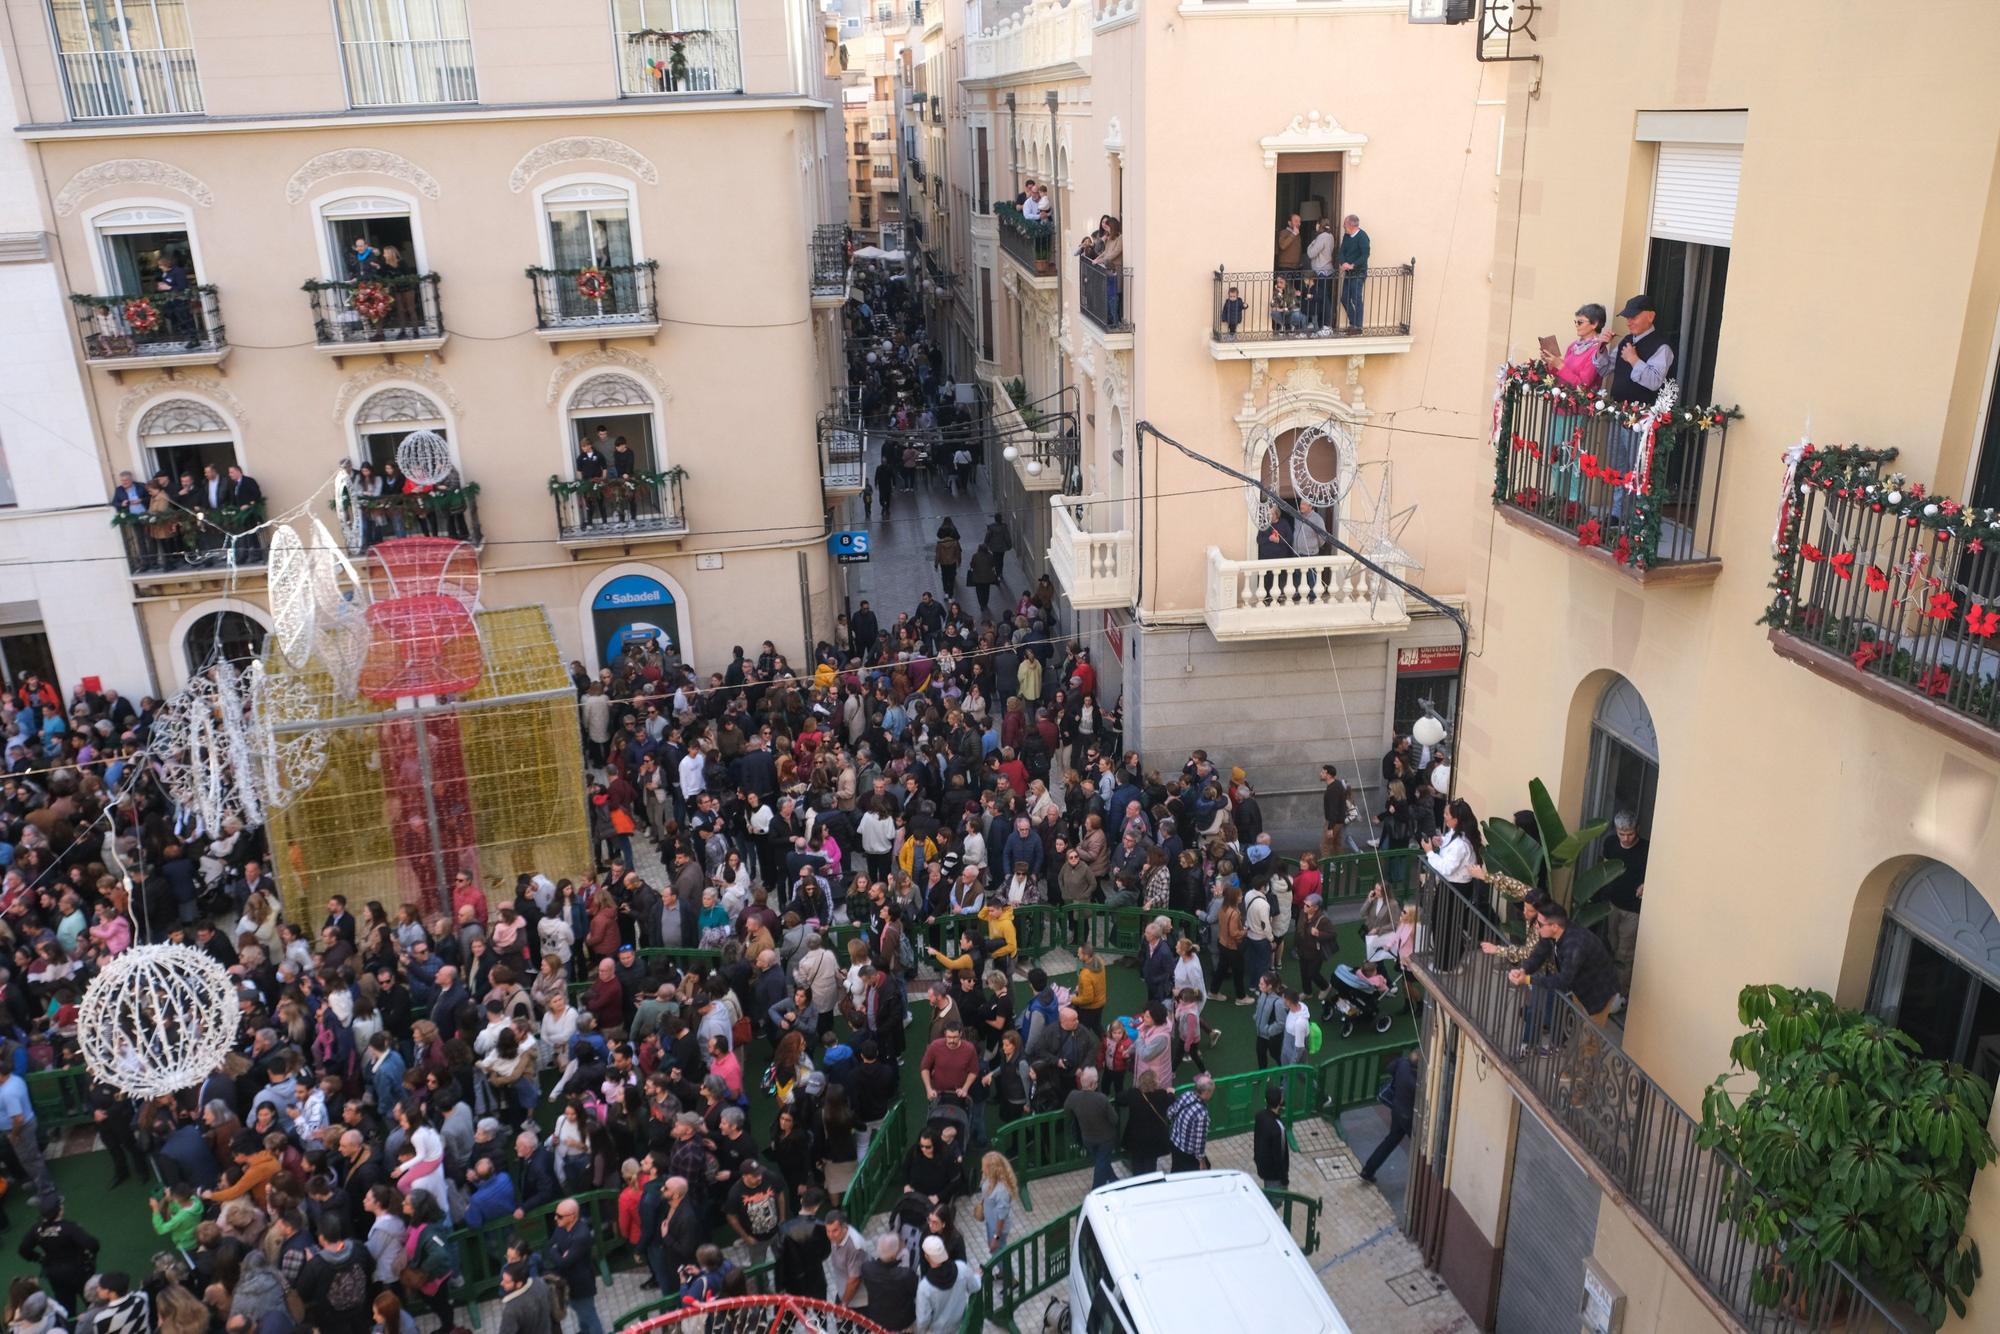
[
  {"x": 1551, "y": 1228},
  {"x": 1694, "y": 192}
]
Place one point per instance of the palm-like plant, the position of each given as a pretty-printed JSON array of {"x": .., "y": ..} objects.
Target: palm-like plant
[
  {"x": 1859, "y": 1151},
  {"x": 1554, "y": 851}
]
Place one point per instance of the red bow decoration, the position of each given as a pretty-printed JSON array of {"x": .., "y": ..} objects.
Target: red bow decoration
[
  {"x": 1843, "y": 565},
  {"x": 1982, "y": 621},
  {"x": 1811, "y": 552},
  {"x": 1936, "y": 681},
  {"x": 1943, "y": 606},
  {"x": 1878, "y": 582}
]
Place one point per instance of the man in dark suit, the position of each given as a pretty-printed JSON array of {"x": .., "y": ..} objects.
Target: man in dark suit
[
  {"x": 337, "y": 917},
  {"x": 240, "y": 492},
  {"x": 253, "y": 879},
  {"x": 591, "y": 467},
  {"x": 1353, "y": 269}
]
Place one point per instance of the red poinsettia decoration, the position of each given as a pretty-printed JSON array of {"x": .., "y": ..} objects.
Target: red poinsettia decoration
[
  {"x": 1982, "y": 621},
  {"x": 1878, "y": 582},
  {"x": 1975, "y": 546},
  {"x": 1622, "y": 553},
  {"x": 1943, "y": 607},
  {"x": 1935, "y": 682},
  {"x": 1811, "y": 552},
  {"x": 1867, "y": 651},
  {"x": 1587, "y": 465},
  {"x": 1843, "y": 565},
  {"x": 1591, "y": 534}
]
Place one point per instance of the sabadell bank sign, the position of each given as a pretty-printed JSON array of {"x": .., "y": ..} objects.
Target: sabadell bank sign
[{"x": 631, "y": 590}]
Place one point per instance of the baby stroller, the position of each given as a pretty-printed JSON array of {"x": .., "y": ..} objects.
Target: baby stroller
[{"x": 1354, "y": 1001}]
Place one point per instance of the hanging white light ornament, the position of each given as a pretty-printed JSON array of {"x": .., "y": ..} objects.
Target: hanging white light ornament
[
  {"x": 1316, "y": 491},
  {"x": 1010, "y": 453},
  {"x": 158, "y": 1019},
  {"x": 1034, "y": 468},
  {"x": 347, "y": 504},
  {"x": 1441, "y": 777},
  {"x": 1427, "y": 731},
  {"x": 288, "y": 575},
  {"x": 424, "y": 458}
]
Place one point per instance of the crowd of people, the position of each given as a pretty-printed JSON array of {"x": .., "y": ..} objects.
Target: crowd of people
[{"x": 843, "y": 849}]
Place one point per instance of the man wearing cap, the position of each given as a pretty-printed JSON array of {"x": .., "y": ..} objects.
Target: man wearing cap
[
  {"x": 1634, "y": 367},
  {"x": 755, "y": 1208}
]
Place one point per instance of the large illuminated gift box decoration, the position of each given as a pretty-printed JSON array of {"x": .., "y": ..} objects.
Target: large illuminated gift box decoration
[{"x": 452, "y": 743}]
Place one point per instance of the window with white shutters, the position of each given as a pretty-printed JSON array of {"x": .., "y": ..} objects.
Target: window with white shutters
[{"x": 1694, "y": 192}]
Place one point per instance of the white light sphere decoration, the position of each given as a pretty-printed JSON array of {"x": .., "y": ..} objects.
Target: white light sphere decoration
[
  {"x": 1428, "y": 731},
  {"x": 157, "y": 1020},
  {"x": 1441, "y": 777},
  {"x": 1034, "y": 468},
  {"x": 424, "y": 457},
  {"x": 1010, "y": 453}
]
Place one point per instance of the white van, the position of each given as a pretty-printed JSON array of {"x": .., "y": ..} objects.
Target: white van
[{"x": 1191, "y": 1253}]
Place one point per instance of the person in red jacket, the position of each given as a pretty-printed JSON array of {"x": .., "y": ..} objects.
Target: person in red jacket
[{"x": 464, "y": 893}]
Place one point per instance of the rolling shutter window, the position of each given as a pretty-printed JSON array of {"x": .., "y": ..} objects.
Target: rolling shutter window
[{"x": 1694, "y": 192}]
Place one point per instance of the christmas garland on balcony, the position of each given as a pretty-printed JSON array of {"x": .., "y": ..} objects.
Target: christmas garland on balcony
[
  {"x": 235, "y": 520},
  {"x": 1639, "y": 545},
  {"x": 441, "y": 500},
  {"x": 592, "y": 486}
]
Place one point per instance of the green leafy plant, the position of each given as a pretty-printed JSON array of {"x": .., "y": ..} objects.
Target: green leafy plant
[
  {"x": 1859, "y": 1151},
  {"x": 1556, "y": 850}
]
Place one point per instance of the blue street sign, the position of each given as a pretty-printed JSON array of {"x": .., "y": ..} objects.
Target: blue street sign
[{"x": 849, "y": 546}]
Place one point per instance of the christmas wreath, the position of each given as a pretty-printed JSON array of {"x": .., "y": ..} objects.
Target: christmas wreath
[
  {"x": 371, "y": 302},
  {"x": 591, "y": 284},
  {"x": 141, "y": 315}
]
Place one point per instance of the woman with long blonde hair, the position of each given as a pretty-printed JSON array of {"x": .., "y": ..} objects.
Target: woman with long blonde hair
[{"x": 998, "y": 1189}]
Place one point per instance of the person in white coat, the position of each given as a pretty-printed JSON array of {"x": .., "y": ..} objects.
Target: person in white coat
[{"x": 1452, "y": 855}]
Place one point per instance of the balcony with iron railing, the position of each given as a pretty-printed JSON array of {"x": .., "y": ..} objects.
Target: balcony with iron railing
[
  {"x": 828, "y": 253},
  {"x": 394, "y": 313},
  {"x": 608, "y": 301},
  {"x": 843, "y": 452},
  {"x": 1103, "y": 295},
  {"x": 1634, "y": 487},
  {"x": 1038, "y": 436},
  {"x": 177, "y": 328},
  {"x": 1261, "y": 313},
  {"x": 1280, "y": 598},
  {"x": 409, "y": 72},
  {"x": 653, "y": 62},
  {"x": 1632, "y": 1139},
  {"x": 162, "y": 81},
  {"x": 1891, "y": 591},
  {"x": 600, "y": 511},
  {"x": 1093, "y": 569},
  {"x": 1051, "y": 35},
  {"x": 181, "y": 543},
  {"x": 1029, "y": 242},
  {"x": 450, "y": 510}
]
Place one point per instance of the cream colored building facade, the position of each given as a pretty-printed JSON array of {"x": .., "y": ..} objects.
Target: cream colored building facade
[
  {"x": 1201, "y": 126},
  {"x": 1813, "y": 822},
  {"x": 870, "y": 108},
  {"x": 659, "y": 165}
]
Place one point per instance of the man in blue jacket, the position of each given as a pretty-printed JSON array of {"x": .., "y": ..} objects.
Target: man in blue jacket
[
  {"x": 1402, "y": 1100},
  {"x": 492, "y": 1194},
  {"x": 568, "y": 1256},
  {"x": 1353, "y": 269}
]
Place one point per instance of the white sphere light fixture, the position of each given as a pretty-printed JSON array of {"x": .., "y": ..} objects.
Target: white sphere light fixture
[
  {"x": 157, "y": 1020},
  {"x": 1427, "y": 731},
  {"x": 1010, "y": 453},
  {"x": 1441, "y": 777},
  {"x": 1034, "y": 468}
]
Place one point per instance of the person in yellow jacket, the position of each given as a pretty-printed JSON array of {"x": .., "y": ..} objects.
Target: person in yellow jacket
[
  {"x": 999, "y": 918},
  {"x": 906, "y": 855},
  {"x": 1089, "y": 997}
]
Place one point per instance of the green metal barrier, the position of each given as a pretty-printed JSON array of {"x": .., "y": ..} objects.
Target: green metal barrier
[
  {"x": 878, "y": 1176},
  {"x": 1348, "y": 877},
  {"x": 58, "y": 1097},
  {"x": 1353, "y": 1077},
  {"x": 482, "y": 1250},
  {"x": 758, "y": 1276},
  {"x": 1289, "y": 1205},
  {"x": 1019, "y": 1271}
]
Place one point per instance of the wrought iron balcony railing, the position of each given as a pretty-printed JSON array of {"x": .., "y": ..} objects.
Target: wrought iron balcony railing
[
  {"x": 1029, "y": 240},
  {"x": 409, "y": 71},
  {"x": 443, "y": 511},
  {"x": 652, "y": 62},
  {"x": 589, "y": 298},
  {"x": 376, "y": 310},
  {"x": 1891, "y": 589},
  {"x": 1102, "y": 295},
  {"x": 137, "y": 326},
  {"x": 829, "y": 259},
  {"x": 158, "y": 82},
  {"x": 1260, "y": 305},
  {"x": 1638, "y": 483},
  {"x": 183, "y": 542},
  {"x": 612, "y": 509},
  {"x": 1594, "y": 1096}
]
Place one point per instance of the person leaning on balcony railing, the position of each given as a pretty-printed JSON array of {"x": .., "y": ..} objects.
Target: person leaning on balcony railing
[
  {"x": 1536, "y": 1014},
  {"x": 1584, "y": 363},
  {"x": 1638, "y": 365},
  {"x": 1582, "y": 966}
]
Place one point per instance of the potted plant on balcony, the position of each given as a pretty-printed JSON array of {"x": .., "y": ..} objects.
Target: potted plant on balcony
[
  {"x": 1859, "y": 1152},
  {"x": 1553, "y": 849},
  {"x": 673, "y": 71}
]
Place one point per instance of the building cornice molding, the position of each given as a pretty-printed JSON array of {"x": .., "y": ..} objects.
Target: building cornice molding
[
  {"x": 23, "y": 247},
  {"x": 47, "y": 131},
  {"x": 368, "y": 161},
  {"x": 1314, "y": 133},
  {"x": 125, "y": 172},
  {"x": 580, "y": 148}
]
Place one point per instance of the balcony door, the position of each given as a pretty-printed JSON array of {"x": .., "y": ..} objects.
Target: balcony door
[
  {"x": 227, "y": 636},
  {"x": 1310, "y": 188},
  {"x": 1937, "y": 969},
  {"x": 406, "y": 52},
  {"x": 381, "y": 225},
  {"x": 182, "y": 436},
  {"x": 140, "y": 249},
  {"x": 590, "y": 227},
  {"x": 126, "y": 57}
]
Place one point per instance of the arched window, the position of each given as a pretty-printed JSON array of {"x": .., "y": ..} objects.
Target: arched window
[
  {"x": 1624, "y": 757},
  {"x": 610, "y": 406},
  {"x": 386, "y": 416},
  {"x": 182, "y": 436},
  {"x": 1937, "y": 968},
  {"x": 230, "y": 635},
  {"x": 1314, "y": 468}
]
